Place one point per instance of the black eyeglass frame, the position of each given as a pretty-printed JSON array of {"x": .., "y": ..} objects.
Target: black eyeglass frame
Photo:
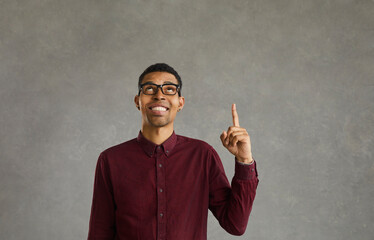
[{"x": 160, "y": 87}]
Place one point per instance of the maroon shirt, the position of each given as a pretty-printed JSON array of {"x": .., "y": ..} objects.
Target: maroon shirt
[{"x": 146, "y": 191}]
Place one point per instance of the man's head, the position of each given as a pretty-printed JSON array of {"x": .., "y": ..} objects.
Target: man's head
[{"x": 159, "y": 98}]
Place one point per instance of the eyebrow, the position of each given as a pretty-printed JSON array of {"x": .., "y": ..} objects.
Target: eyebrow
[{"x": 166, "y": 82}]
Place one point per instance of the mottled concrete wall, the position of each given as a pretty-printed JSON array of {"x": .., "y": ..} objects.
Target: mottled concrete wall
[{"x": 301, "y": 73}]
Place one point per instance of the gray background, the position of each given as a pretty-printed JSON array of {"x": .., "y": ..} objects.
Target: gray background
[{"x": 301, "y": 73}]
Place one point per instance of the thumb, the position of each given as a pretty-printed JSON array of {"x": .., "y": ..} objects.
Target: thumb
[{"x": 223, "y": 137}]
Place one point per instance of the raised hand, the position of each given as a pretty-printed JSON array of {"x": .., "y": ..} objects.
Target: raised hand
[{"x": 237, "y": 140}]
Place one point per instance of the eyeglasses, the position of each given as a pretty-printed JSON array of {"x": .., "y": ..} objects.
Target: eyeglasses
[{"x": 166, "y": 89}]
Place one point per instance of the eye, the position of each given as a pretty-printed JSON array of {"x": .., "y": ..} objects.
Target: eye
[
  {"x": 170, "y": 89},
  {"x": 148, "y": 89}
]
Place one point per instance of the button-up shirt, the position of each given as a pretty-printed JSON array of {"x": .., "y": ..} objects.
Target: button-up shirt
[{"x": 148, "y": 191}]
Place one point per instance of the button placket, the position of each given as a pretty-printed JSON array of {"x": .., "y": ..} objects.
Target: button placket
[{"x": 161, "y": 200}]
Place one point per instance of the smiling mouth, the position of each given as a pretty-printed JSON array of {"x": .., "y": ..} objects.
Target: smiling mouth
[{"x": 159, "y": 109}]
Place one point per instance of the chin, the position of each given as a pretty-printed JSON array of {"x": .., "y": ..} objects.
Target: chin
[{"x": 159, "y": 123}]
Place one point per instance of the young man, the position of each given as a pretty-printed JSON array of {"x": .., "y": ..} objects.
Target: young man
[{"x": 160, "y": 185}]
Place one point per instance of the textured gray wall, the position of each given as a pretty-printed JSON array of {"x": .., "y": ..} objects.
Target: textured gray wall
[{"x": 301, "y": 73}]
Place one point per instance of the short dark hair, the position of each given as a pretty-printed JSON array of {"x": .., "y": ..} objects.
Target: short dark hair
[{"x": 161, "y": 67}]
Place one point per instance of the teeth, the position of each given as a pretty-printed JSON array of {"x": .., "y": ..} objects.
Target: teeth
[{"x": 162, "y": 109}]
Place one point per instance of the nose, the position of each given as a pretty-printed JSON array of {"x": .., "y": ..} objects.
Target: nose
[{"x": 159, "y": 95}]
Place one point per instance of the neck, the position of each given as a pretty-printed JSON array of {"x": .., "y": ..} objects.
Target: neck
[{"x": 157, "y": 135}]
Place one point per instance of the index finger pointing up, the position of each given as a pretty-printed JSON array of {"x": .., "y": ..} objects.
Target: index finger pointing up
[{"x": 235, "y": 117}]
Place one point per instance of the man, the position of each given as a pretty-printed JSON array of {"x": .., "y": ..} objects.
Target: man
[{"x": 160, "y": 185}]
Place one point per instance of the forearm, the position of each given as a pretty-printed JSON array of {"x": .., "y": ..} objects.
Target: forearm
[{"x": 233, "y": 213}]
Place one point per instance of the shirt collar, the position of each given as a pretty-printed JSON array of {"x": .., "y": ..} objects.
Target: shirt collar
[{"x": 149, "y": 147}]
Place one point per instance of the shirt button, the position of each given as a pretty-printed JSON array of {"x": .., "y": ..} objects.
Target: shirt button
[
  {"x": 160, "y": 189},
  {"x": 167, "y": 151},
  {"x": 160, "y": 165},
  {"x": 252, "y": 170},
  {"x": 161, "y": 215}
]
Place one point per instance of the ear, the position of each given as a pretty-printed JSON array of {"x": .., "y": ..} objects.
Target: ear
[
  {"x": 136, "y": 101},
  {"x": 181, "y": 102}
]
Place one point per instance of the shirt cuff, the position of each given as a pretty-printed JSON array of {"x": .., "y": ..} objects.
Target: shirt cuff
[{"x": 245, "y": 171}]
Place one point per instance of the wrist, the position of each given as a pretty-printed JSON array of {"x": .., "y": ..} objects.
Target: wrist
[{"x": 245, "y": 160}]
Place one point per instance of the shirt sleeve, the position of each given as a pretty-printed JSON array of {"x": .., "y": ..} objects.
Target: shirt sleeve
[
  {"x": 232, "y": 205},
  {"x": 102, "y": 220}
]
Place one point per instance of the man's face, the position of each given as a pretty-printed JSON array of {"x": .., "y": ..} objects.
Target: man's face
[{"x": 159, "y": 110}]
